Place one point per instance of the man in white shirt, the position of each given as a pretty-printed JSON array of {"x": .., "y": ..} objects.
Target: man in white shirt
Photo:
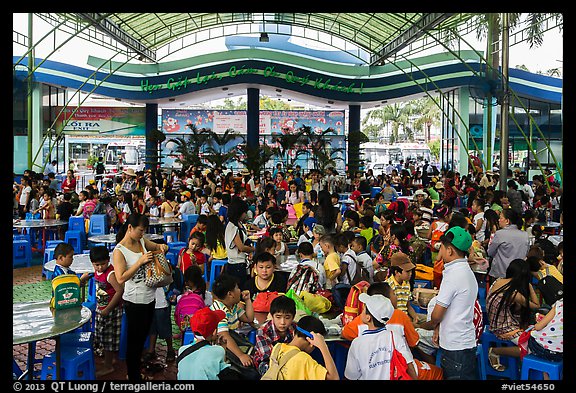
[
  {"x": 453, "y": 316},
  {"x": 50, "y": 168}
]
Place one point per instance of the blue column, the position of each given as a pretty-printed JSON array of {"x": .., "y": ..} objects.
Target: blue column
[
  {"x": 253, "y": 117},
  {"x": 151, "y": 143},
  {"x": 353, "y": 143}
]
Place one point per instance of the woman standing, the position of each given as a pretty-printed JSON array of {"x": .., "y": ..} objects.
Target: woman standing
[
  {"x": 236, "y": 240},
  {"x": 131, "y": 254},
  {"x": 69, "y": 184},
  {"x": 510, "y": 242},
  {"x": 326, "y": 214}
]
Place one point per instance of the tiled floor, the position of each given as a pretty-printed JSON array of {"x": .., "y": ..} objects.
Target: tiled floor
[{"x": 29, "y": 286}]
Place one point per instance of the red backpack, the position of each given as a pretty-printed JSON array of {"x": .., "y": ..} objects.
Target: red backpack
[
  {"x": 478, "y": 321},
  {"x": 353, "y": 306},
  {"x": 188, "y": 304}
]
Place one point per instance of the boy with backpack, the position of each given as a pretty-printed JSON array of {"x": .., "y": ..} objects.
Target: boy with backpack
[
  {"x": 279, "y": 329},
  {"x": 292, "y": 361},
  {"x": 359, "y": 246},
  {"x": 200, "y": 360},
  {"x": 108, "y": 309},
  {"x": 305, "y": 253}
]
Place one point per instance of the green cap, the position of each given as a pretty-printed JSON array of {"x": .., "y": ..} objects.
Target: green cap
[{"x": 458, "y": 237}]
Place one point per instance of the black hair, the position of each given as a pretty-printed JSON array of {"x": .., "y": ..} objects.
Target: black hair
[
  {"x": 361, "y": 240},
  {"x": 68, "y": 196},
  {"x": 349, "y": 236},
  {"x": 513, "y": 216},
  {"x": 135, "y": 220},
  {"x": 194, "y": 275},
  {"x": 226, "y": 198},
  {"x": 387, "y": 215},
  {"x": 533, "y": 261},
  {"x": 202, "y": 219},
  {"x": 264, "y": 257},
  {"x": 353, "y": 215},
  {"x": 367, "y": 221},
  {"x": 63, "y": 249},
  {"x": 237, "y": 208},
  {"x": 376, "y": 322},
  {"x": 305, "y": 248},
  {"x": 313, "y": 195},
  {"x": 308, "y": 205},
  {"x": 198, "y": 235},
  {"x": 379, "y": 288},
  {"x": 99, "y": 254},
  {"x": 217, "y": 195},
  {"x": 214, "y": 232},
  {"x": 223, "y": 284},
  {"x": 274, "y": 230},
  {"x": 311, "y": 324},
  {"x": 283, "y": 304},
  {"x": 276, "y": 217},
  {"x": 458, "y": 220},
  {"x": 264, "y": 243},
  {"x": 519, "y": 273}
]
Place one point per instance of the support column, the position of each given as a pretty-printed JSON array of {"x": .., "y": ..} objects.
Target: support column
[
  {"x": 463, "y": 109},
  {"x": 488, "y": 130},
  {"x": 253, "y": 118},
  {"x": 37, "y": 133},
  {"x": 151, "y": 141},
  {"x": 354, "y": 142},
  {"x": 504, "y": 107}
]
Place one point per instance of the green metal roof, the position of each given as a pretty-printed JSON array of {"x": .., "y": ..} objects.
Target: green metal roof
[{"x": 379, "y": 34}]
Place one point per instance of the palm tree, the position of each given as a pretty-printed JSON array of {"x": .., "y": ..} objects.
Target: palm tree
[
  {"x": 189, "y": 148},
  {"x": 215, "y": 151},
  {"x": 320, "y": 148},
  {"x": 255, "y": 157},
  {"x": 397, "y": 114},
  {"x": 428, "y": 114},
  {"x": 286, "y": 142},
  {"x": 355, "y": 139}
]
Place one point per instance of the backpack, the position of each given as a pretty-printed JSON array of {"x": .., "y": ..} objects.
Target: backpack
[
  {"x": 362, "y": 273},
  {"x": 100, "y": 168},
  {"x": 353, "y": 306},
  {"x": 188, "y": 304},
  {"x": 550, "y": 288},
  {"x": 436, "y": 235},
  {"x": 273, "y": 372},
  {"x": 65, "y": 292},
  {"x": 303, "y": 278},
  {"x": 478, "y": 321}
]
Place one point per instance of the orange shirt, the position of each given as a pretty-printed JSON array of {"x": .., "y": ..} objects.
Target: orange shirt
[{"x": 399, "y": 317}]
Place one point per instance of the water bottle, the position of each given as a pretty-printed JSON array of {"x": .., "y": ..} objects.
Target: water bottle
[{"x": 548, "y": 216}]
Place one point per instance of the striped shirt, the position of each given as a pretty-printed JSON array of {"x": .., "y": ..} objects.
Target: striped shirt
[
  {"x": 402, "y": 292},
  {"x": 232, "y": 319}
]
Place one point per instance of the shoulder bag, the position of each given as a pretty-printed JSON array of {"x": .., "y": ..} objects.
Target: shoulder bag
[{"x": 158, "y": 271}]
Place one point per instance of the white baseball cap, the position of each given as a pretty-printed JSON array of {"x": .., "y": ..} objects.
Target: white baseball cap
[{"x": 379, "y": 306}]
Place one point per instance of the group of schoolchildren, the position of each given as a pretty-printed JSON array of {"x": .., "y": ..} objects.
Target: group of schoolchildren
[{"x": 386, "y": 321}]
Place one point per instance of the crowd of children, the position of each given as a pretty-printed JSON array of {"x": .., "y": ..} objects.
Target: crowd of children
[{"x": 447, "y": 229}]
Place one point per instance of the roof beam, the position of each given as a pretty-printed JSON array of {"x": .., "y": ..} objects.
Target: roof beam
[
  {"x": 113, "y": 30},
  {"x": 409, "y": 35}
]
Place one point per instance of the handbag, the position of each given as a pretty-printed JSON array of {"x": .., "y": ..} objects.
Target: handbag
[
  {"x": 398, "y": 365},
  {"x": 158, "y": 272},
  {"x": 262, "y": 301}
]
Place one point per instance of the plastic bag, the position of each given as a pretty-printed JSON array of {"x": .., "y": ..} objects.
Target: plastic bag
[
  {"x": 300, "y": 305},
  {"x": 316, "y": 303}
]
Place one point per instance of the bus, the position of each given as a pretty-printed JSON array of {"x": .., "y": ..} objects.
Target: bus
[
  {"x": 418, "y": 152},
  {"x": 380, "y": 153},
  {"x": 133, "y": 153}
]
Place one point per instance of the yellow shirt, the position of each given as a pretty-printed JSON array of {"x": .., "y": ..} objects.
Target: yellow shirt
[
  {"x": 553, "y": 271},
  {"x": 331, "y": 264},
  {"x": 301, "y": 367},
  {"x": 402, "y": 292},
  {"x": 308, "y": 183}
]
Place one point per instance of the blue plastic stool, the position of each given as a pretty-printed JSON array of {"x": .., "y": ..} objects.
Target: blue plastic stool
[
  {"x": 189, "y": 223},
  {"x": 98, "y": 225},
  {"x": 175, "y": 247},
  {"x": 172, "y": 258},
  {"x": 76, "y": 223},
  {"x": 48, "y": 256},
  {"x": 489, "y": 339},
  {"x": 423, "y": 284},
  {"x": 21, "y": 253},
  {"x": 53, "y": 243},
  {"x": 216, "y": 263},
  {"x": 173, "y": 235},
  {"x": 77, "y": 338},
  {"x": 188, "y": 337},
  {"x": 74, "y": 360},
  {"x": 91, "y": 303},
  {"x": 25, "y": 236},
  {"x": 374, "y": 191},
  {"x": 74, "y": 238},
  {"x": 533, "y": 367}
]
